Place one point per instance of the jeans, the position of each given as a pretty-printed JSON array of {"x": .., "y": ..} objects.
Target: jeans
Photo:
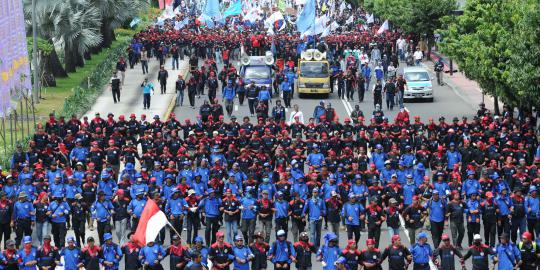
[
  {"x": 297, "y": 227},
  {"x": 179, "y": 98},
  {"x": 42, "y": 229},
  {"x": 120, "y": 227},
  {"x": 399, "y": 98},
  {"x": 393, "y": 231},
  {"x": 315, "y": 232},
  {"x": 389, "y": 101},
  {"x": 231, "y": 228},
  {"x": 401, "y": 54},
  {"x": 417, "y": 61},
  {"x": 174, "y": 62},
  {"x": 412, "y": 234},
  {"x": 366, "y": 83},
  {"x": 252, "y": 102},
  {"x": 116, "y": 95},
  {"x": 144, "y": 65}
]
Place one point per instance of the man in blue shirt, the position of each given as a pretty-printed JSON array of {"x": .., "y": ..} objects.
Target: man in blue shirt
[
  {"x": 453, "y": 157},
  {"x": 507, "y": 254},
  {"x": 102, "y": 211},
  {"x": 58, "y": 211},
  {"x": 24, "y": 216},
  {"x": 532, "y": 207},
  {"x": 315, "y": 159},
  {"x": 421, "y": 252},
  {"x": 249, "y": 214},
  {"x": 281, "y": 213},
  {"x": 209, "y": 207},
  {"x": 504, "y": 203},
  {"x": 315, "y": 209},
  {"x": 437, "y": 212},
  {"x": 229, "y": 93},
  {"x": 151, "y": 255},
  {"x": 352, "y": 213},
  {"x": 286, "y": 89},
  {"x": 282, "y": 252},
  {"x": 242, "y": 254},
  {"x": 148, "y": 88}
]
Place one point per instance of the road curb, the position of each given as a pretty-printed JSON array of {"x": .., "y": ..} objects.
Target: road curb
[{"x": 172, "y": 103}]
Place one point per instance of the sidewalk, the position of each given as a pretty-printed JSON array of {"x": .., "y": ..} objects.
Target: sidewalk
[
  {"x": 465, "y": 88},
  {"x": 131, "y": 95}
]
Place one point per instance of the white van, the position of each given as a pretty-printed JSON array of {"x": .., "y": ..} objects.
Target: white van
[{"x": 418, "y": 83}]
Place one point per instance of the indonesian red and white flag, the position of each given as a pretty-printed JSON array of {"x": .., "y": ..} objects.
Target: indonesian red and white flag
[{"x": 151, "y": 222}]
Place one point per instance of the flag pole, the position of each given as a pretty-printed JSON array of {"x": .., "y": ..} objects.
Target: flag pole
[{"x": 175, "y": 231}]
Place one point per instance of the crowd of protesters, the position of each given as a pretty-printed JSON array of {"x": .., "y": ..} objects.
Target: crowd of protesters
[{"x": 273, "y": 176}]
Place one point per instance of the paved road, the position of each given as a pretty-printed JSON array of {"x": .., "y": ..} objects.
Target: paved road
[{"x": 447, "y": 103}]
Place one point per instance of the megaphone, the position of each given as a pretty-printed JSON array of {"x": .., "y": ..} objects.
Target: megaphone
[
  {"x": 244, "y": 59},
  {"x": 317, "y": 55},
  {"x": 269, "y": 58},
  {"x": 308, "y": 55}
]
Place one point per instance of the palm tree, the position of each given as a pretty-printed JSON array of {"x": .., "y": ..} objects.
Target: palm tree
[
  {"x": 115, "y": 13},
  {"x": 46, "y": 11},
  {"x": 77, "y": 25}
]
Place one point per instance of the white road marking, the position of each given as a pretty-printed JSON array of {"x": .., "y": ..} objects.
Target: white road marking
[
  {"x": 286, "y": 109},
  {"x": 347, "y": 107},
  {"x": 235, "y": 108},
  {"x": 402, "y": 221}
]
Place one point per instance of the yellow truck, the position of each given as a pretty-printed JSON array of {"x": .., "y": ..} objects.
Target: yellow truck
[{"x": 313, "y": 74}]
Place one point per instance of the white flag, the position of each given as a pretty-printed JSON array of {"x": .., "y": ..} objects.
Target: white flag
[
  {"x": 370, "y": 19},
  {"x": 383, "y": 28}
]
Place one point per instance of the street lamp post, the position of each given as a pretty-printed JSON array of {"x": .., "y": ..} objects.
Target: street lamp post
[{"x": 35, "y": 91}]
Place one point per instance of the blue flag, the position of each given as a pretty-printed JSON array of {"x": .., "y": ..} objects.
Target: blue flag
[
  {"x": 212, "y": 9},
  {"x": 234, "y": 9},
  {"x": 307, "y": 17}
]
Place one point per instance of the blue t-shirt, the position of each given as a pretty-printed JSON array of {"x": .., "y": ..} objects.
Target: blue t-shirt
[{"x": 147, "y": 89}]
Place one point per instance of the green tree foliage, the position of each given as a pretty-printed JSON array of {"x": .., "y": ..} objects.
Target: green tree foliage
[
  {"x": 524, "y": 65},
  {"x": 496, "y": 43},
  {"x": 415, "y": 16}
]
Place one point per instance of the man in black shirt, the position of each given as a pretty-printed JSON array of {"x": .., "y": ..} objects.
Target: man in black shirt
[
  {"x": 115, "y": 85},
  {"x": 399, "y": 257},
  {"x": 479, "y": 253},
  {"x": 180, "y": 86},
  {"x": 162, "y": 77}
]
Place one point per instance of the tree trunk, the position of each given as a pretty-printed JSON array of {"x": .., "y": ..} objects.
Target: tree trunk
[
  {"x": 79, "y": 60},
  {"x": 69, "y": 59},
  {"x": 52, "y": 65},
  {"x": 496, "y": 105},
  {"x": 107, "y": 34},
  {"x": 430, "y": 40}
]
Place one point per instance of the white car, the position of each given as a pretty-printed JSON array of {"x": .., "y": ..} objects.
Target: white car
[{"x": 419, "y": 84}]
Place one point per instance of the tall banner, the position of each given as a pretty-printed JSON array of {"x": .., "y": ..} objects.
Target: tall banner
[
  {"x": 15, "y": 80},
  {"x": 307, "y": 17}
]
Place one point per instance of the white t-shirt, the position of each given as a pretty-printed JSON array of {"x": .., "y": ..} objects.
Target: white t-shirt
[
  {"x": 418, "y": 55},
  {"x": 300, "y": 115}
]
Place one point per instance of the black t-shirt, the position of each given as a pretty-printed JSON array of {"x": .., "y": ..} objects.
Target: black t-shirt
[
  {"x": 115, "y": 83},
  {"x": 396, "y": 257}
]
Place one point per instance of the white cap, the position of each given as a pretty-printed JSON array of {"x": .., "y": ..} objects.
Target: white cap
[
  {"x": 477, "y": 237},
  {"x": 280, "y": 232}
]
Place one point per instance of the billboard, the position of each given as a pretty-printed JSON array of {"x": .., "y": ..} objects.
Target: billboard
[{"x": 15, "y": 80}]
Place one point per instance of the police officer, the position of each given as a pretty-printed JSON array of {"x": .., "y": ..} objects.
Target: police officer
[
  {"x": 24, "y": 216},
  {"x": 111, "y": 253},
  {"x": 530, "y": 253},
  {"x": 479, "y": 254},
  {"x": 209, "y": 207},
  {"x": 421, "y": 253},
  {"x": 507, "y": 254},
  {"x": 151, "y": 256},
  {"x": 58, "y": 211},
  {"x": 102, "y": 211},
  {"x": 399, "y": 257}
]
